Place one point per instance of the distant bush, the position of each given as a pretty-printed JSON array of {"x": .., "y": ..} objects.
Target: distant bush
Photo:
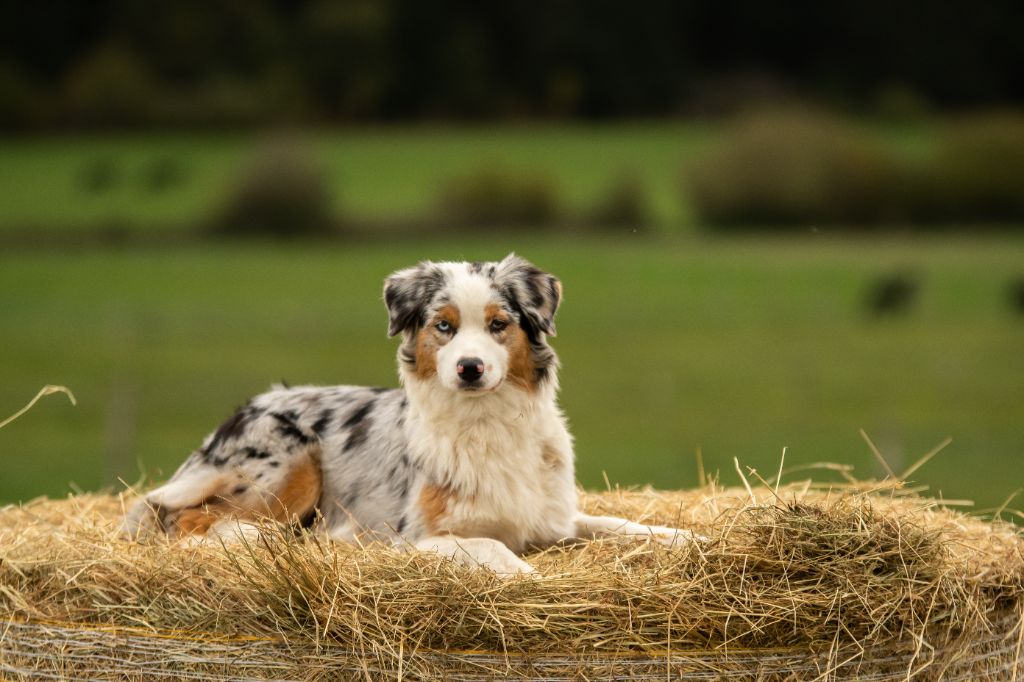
[
  {"x": 624, "y": 203},
  {"x": 793, "y": 168},
  {"x": 99, "y": 174},
  {"x": 282, "y": 193},
  {"x": 499, "y": 197},
  {"x": 976, "y": 173},
  {"x": 162, "y": 174}
]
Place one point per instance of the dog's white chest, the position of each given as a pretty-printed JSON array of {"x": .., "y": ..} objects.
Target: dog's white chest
[{"x": 507, "y": 479}]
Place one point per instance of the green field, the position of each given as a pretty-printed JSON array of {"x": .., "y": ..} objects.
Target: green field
[
  {"x": 738, "y": 347},
  {"x": 377, "y": 174}
]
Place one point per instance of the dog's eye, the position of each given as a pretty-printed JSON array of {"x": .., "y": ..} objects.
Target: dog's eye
[
  {"x": 444, "y": 326},
  {"x": 498, "y": 326}
]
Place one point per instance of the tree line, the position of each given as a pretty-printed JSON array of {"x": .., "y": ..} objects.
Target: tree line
[{"x": 66, "y": 63}]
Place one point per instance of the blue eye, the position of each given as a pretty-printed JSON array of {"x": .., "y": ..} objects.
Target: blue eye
[{"x": 444, "y": 326}]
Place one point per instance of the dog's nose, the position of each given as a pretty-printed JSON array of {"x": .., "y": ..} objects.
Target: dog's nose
[{"x": 470, "y": 369}]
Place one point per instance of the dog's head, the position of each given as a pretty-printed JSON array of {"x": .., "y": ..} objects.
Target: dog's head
[{"x": 474, "y": 327}]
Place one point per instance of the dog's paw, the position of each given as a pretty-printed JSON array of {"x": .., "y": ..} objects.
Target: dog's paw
[
  {"x": 477, "y": 552},
  {"x": 508, "y": 567}
]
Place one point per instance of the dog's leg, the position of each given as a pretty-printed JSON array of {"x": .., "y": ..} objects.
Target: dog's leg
[
  {"x": 607, "y": 526},
  {"x": 147, "y": 514},
  {"x": 205, "y": 499},
  {"x": 485, "y": 552}
]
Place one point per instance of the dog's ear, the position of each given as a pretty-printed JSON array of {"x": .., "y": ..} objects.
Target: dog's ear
[
  {"x": 535, "y": 292},
  {"x": 407, "y": 293}
]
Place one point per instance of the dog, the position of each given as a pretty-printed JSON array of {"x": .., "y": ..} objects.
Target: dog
[{"x": 471, "y": 458}]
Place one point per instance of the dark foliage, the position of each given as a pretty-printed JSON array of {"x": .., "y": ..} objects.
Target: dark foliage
[
  {"x": 115, "y": 62},
  {"x": 976, "y": 173},
  {"x": 282, "y": 194},
  {"x": 495, "y": 196},
  {"x": 793, "y": 169},
  {"x": 798, "y": 169},
  {"x": 892, "y": 295},
  {"x": 99, "y": 175}
]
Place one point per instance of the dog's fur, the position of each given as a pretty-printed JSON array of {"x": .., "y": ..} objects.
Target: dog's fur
[{"x": 478, "y": 470}]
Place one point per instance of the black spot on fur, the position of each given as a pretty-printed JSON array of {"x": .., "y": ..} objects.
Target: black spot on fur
[
  {"x": 321, "y": 424},
  {"x": 255, "y": 453},
  {"x": 219, "y": 461},
  {"x": 359, "y": 415},
  {"x": 309, "y": 519},
  {"x": 288, "y": 428},
  {"x": 357, "y": 436},
  {"x": 233, "y": 428},
  {"x": 239, "y": 490},
  {"x": 401, "y": 524},
  {"x": 273, "y": 463},
  {"x": 379, "y": 389},
  {"x": 530, "y": 291}
]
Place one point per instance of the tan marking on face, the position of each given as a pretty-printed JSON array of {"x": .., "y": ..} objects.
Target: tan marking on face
[
  {"x": 426, "y": 353},
  {"x": 493, "y": 311},
  {"x": 521, "y": 370},
  {"x": 433, "y": 502},
  {"x": 449, "y": 314},
  {"x": 429, "y": 339}
]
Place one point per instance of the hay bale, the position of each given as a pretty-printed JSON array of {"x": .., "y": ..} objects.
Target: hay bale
[{"x": 854, "y": 581}]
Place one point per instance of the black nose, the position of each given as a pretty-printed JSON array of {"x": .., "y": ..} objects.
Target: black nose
[{"x": 470, "y": 369}]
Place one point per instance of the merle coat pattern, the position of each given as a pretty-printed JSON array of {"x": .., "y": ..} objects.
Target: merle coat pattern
[{"x": 471, "y": 458}]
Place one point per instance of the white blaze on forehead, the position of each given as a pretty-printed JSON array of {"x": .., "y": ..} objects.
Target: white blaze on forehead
[{"x": 470, "y": 293}]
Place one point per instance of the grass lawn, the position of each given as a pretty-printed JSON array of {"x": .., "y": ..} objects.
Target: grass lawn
[{"x": 738, "y": 347}]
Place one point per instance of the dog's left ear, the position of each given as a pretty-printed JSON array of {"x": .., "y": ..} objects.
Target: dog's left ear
[
  {"x": 407, "y": 293},
  {"x": 535, "y": 292}
]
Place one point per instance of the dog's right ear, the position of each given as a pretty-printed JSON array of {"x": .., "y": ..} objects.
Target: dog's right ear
[{"x": 408, "y": 293}]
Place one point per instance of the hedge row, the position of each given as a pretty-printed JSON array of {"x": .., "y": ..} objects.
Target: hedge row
[
  {"x": 791, "y": 169},
  {"x": 284, "y": 193}
]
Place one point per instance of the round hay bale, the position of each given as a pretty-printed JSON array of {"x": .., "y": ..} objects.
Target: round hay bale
[{"x": 858, "y": 581}]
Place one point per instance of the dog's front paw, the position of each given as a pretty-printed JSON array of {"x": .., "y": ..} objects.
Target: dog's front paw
[
  {"x": 509, "y": 566},
  {"x": 480, "y": 552}
]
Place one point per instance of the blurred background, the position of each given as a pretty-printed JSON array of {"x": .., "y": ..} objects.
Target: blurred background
[{"x": 775, "y": 224}]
